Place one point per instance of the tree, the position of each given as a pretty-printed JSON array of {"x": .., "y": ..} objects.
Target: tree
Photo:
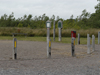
[
  {"x": 29, "y": 17},
  {"x": 20, "y": 25},
  {"x": 53, "y": 17},
  {"x": 57, "y": 17}
]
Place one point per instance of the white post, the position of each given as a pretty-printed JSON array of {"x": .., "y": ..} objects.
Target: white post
[
  {"x": 48, "y": 43},
  {"x": 14, "y": 48},
  {"x": 87, "y": 38},
  {"x": 12, "y": 35},
  {"x": 59, "y": 34},
  {"x": 93, "y": 42},
  {"x": 98, "y": 37},
  {"x": 78, "y": 38},
  {"x": 54, "y": 31},
  {"x": 48, "y": 34},
  {"x": 88, "y": 45}
]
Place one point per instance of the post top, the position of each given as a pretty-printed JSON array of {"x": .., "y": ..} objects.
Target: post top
[
  {"x": 59, "y": 21},
  {"x": 48, "y": 21},
  {"x": 48, "y": 24}
]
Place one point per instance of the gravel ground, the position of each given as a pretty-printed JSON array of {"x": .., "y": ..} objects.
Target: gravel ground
[{"x": 32, "y": 59}]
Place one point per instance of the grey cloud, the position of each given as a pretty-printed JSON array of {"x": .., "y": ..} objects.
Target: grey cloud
[{"x": 62, "y": 8}]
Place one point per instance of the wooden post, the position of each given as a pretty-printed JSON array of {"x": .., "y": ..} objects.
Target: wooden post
[
  {"x": 98, "y": 37},
  {"x": 13, "y": 35},
  {"x": 87, "y": 38},
  {"x": 93, "y": 43},
  {"x": 59, "y": 34},
  {"x": 54, "y": 31},
  {"x": 88, "y": 45},
  {"x": 78, "y": 38},
  {"x": 49, "y": 48},
  {"x": 73, "y": 46},
  {"x": 14, "y": 48},
  {"x": 48, "y": 34},
  {"x": 48, "y": 43}
]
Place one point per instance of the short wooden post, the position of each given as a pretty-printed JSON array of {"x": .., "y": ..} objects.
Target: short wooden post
[
  {"x": 88, "y": 45},
  {"x": 78, "y": 38},
  {"x": 60, "y": 34},
  {"x": 14, "y": 48},
  {"x": 93, "y": 43},
  {"x": 12, "y": 35},
  {"x": 87, "y": 38}
]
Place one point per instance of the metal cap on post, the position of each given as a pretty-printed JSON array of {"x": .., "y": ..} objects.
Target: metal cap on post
[
  {"x": 60, "y": 25},
  {"x": 73, "y": 34},
  {"x": 48, "y": 24}
]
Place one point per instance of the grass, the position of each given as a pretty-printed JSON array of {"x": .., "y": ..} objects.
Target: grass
[
  {"x": 42, "y": 32},
  {"x": 66, "y": 40}
]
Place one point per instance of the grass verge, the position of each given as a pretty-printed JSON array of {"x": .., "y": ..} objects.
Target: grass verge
[{"x": 64, "y": 39}]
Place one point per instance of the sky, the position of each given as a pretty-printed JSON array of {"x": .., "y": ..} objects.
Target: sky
[{"x": 62, "y": 8}]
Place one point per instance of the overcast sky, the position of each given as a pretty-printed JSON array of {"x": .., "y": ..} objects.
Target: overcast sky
[{"x": 62, "y": 8}]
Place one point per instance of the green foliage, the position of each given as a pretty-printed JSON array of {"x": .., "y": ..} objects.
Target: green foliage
[
  {"x": 20, "y": 25},
  {"x": 28, "y": 26},
  {"x": 83, "y": 21},
  {"x": 7, "y": 31}
]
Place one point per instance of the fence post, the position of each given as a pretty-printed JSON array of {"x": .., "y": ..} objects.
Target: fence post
[
  {"x": 78, "y": 38},
  {"x": 14, "y": 48},
  {"x": 49, "y": 48},
  {"x": 60, "y": 25},
  {"x": 87, "y": 38},
  {"x": 98, "y": 37},
  {"x": 88, "y": 45},
  {"x": 60, "y": 34},
  {"x": 48, "y": 34},
  {"x": 54, "y": 31},
  {"x": 73, "y": 46},
  {"x": 48, "y": 43},
  {"x": 93, "y": 42}
]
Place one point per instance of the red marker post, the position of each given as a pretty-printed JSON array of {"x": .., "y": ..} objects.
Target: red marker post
[{"x": 73, "y": 36}]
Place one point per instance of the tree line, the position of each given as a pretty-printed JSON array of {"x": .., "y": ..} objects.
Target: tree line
[{"x": 83, "y": 21}]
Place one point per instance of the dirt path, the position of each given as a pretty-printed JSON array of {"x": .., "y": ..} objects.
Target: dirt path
[{"x": 32, "y": 59}]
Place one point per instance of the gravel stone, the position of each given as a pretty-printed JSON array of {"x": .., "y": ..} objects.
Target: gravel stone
[{"x": 32, "y": 59}]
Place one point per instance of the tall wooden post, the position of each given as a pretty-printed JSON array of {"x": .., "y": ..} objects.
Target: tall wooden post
[
  {"x": 48, "y": 25},
  {"x": 54, "y": 31}
]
